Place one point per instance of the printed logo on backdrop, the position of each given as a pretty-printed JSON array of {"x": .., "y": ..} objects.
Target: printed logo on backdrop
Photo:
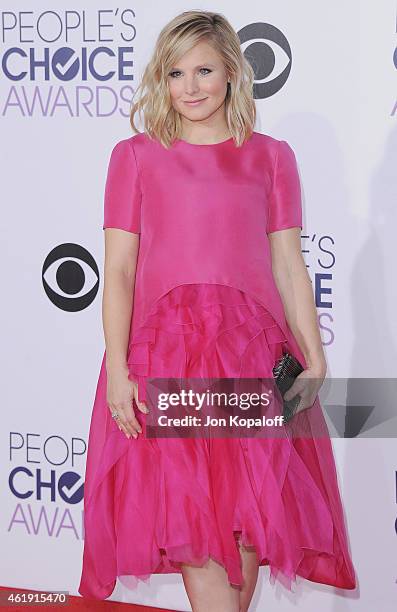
[
  {"x": 74, "y": 62},
  {"x": 70, "y": 277},
  {"x": 68, "y": 62},
  {"x": 269, "y": 53},
  {"x": 319, "y": 252},
  {"x": 354, "y": 417},
  {"x": 45, "y": 481}
]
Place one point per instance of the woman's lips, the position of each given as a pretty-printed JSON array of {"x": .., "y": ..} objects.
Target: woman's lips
[{"x": 195, "y": 102}]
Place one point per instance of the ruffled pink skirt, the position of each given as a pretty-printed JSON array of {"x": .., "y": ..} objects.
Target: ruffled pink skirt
[{"x": 151, "y": 504}]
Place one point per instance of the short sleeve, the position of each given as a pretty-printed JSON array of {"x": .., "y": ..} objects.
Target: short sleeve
[
  {"x": 285, "y": 200},
  {"x": 122, "y": 200}
]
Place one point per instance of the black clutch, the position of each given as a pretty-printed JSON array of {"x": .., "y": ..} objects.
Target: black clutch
[{"x": 285, "y": 371}]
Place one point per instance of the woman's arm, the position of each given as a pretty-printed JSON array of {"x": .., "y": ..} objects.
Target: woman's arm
[
  {"x": 121, "y": 250},
  {"x": 294, "y": 285}
]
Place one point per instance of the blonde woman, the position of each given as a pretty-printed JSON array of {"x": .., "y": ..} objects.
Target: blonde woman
[{"x": 204, "y": 278}]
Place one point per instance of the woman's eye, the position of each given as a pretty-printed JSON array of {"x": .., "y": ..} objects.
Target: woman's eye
[{"x": 177, "y": 72}]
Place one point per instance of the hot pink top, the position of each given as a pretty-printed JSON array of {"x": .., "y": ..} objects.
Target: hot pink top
[{"x": 203, "y": 213}]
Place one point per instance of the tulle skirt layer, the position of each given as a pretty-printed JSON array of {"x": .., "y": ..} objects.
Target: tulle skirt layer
[{"x": 152, "y": 504}]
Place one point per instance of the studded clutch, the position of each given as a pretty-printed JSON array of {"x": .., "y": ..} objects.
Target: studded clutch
[{"x": 286, "y": 369}]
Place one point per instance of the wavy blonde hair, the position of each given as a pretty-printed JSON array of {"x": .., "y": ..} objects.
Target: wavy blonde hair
[{"x": 161, "y": 120}]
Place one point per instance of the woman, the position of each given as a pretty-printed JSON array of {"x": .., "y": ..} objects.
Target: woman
[{"x": 204, "y": 277}]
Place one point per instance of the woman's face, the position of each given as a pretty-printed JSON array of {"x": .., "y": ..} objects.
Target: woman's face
[{"x": 199, "y": 76}]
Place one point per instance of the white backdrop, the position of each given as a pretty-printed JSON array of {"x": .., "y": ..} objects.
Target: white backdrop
[{"x": 336, "y": 107}]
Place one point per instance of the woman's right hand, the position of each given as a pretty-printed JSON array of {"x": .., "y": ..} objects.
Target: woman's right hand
[{"x": 120, "y": 394}]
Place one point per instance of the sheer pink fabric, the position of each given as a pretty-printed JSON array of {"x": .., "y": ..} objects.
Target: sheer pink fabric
[{"x": 205, "y": 304}]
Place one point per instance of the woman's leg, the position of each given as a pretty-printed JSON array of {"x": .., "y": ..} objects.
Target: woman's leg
[
  {"x": 250, "y": 569},
  {"x": 209, "y": 589}
]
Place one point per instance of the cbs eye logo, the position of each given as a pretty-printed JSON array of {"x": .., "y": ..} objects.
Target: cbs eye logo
[
  {"x": 268, "y": 51},
  {"x": 70, "y": 277}
]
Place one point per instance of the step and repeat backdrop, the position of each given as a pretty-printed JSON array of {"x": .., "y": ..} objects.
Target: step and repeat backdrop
[{"x": 326, "y": 83}]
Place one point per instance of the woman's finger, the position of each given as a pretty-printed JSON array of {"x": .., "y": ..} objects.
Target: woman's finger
[
  {"x": 128, "y": 420},
  {"x": 140, "y": 405},
  {"x": 123, "y": 428},
  {"x": 122, "y": 420},
  {"x": 133, "y": 425},
  {"x": 295, "y": 389},
  {"x": 117, "y": 419}
]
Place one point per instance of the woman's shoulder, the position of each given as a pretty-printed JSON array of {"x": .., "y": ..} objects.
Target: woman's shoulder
[
  {"x": 266, "y": 140},
  {"x": 278, "y": 150},
  {"x": 131, "y": 142}
]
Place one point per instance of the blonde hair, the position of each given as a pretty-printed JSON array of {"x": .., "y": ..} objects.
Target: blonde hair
[{"x": 161, "y": 120}]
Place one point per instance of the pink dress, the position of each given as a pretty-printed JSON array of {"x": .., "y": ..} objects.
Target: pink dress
[{"x": 206, "y": 304}]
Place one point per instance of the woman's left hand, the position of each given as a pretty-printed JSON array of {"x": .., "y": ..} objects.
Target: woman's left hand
[{"x": 307, "y": 384}]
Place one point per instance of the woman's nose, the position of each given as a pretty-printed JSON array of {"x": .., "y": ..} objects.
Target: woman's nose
[{"x": 191, "y": 86}]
